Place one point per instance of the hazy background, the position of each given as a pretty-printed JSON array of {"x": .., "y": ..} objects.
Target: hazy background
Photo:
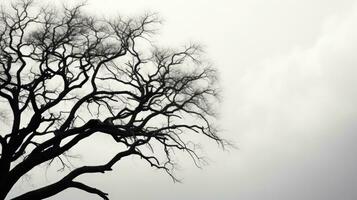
[{"x": 288, "y": 72}]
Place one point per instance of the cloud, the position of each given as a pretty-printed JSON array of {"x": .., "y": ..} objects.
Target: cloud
[{"x": 299, "y": 113}]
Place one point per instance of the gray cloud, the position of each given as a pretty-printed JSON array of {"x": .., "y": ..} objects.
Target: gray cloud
[{"x": 301, "y": 116}]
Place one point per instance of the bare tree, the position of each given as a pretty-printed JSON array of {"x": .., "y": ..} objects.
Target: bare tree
[{"x": 66, "y": 76}]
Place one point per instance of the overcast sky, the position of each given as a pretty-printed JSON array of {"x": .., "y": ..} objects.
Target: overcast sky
[{"x": 288, "y": 74}]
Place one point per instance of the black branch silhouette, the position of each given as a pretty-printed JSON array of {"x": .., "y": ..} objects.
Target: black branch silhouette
[{"x": 66, "y": 76}]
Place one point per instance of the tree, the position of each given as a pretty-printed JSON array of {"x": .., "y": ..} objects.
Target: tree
[{"x": 66, "y": 76}]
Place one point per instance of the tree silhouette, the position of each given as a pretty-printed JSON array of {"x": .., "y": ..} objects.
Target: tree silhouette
[{"x": 66, "y": 76}]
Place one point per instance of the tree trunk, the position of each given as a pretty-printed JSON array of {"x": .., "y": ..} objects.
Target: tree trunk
[{"x": 5, "y": 185}]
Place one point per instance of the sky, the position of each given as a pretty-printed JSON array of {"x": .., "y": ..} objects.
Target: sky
[{"x": 287, "y": 72}]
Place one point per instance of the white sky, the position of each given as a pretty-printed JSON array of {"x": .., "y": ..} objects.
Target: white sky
[{"x": 288, "y": 74}]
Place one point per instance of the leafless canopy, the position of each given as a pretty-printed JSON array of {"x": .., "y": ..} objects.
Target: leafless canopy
[{"x": 65, "y": 76}]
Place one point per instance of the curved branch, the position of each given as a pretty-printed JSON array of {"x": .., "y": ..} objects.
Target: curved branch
[{"x": 68, "y": 182}]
